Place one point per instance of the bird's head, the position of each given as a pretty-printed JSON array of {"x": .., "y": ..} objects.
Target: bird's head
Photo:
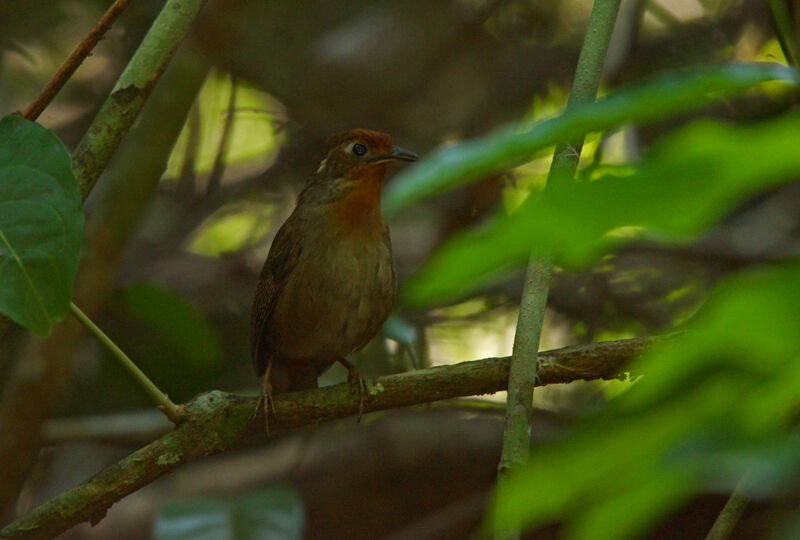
[{"x": 358, "y": 153}]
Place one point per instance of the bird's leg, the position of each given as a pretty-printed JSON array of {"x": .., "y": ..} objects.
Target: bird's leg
[
  {"x": 265, "y": 402},
  {"x": 357, "y": 380}
]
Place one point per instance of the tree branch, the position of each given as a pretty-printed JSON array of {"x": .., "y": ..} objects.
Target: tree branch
[
  {"x": 218, "y": 420},
  {"x": 84, "y": 48},
  {"x": 119, "y": 111},
  {"x": 42, "y": 367}
]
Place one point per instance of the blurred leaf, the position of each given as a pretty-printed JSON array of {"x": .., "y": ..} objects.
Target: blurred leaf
[
  {"x": 178, "y": 322},
  {"x": 272, "y": 513},
  {"x": 252, "y": 137},
  {"x": 703, "y": 397},
  {"x": 232, "y": 228},
  {"x": 41, "y": 224},
  {"x": 688, "y": 181},
  {"x": 401, "y": 331},
  {"x": 664, "y": 96}
]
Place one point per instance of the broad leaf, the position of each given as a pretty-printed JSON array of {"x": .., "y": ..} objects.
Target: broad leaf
[
  {"x": 272, "y": 513},
  {"x": 715, "y": 404},
  {"x": 664, "y": 96},
  {"x": 687, "y": 182},
  {"x": 41, "y": 224}
]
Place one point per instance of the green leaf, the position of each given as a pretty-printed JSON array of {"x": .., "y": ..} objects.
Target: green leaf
[
  {"x": 27, "y": 143},
  {"x": 272, "y": 513},
  {"x": 664, "y": 96},
  {"x": 178, "y": 322},
  {"x": 252, "y": 136},
  {"x": 41, "y": 224},
  {"x": 689, "y": 181},
  {"x": 719, "y": 401}
]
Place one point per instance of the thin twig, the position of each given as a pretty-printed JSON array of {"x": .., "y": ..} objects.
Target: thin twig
[
  {"x": 217, "y": 421},
  {"x": 84, "y": 48},
  {"x": 187, "y": 177},
  {"x": 133, "y": 87},
  {"x": 174, "y": 413},
  {"x": 218, "y": 170},
  {"x": 729, "y": 516}
]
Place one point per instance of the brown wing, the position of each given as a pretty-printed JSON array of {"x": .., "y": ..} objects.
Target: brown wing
[{"x": 283, "y": 255}]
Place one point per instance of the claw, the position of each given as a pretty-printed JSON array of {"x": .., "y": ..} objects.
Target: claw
[
  {"x": 355, "y": 379},
  {"x": 265, "y": 402}
]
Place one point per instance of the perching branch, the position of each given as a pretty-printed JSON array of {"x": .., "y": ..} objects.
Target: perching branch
[
  {"x": 523, "y": 373},
  {"x": 218, "y": 420},
  {"x": 84, "y": 48}
]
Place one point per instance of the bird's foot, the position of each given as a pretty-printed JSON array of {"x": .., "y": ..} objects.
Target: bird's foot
[
  {"x": 356, "y": 381},
  {"x": 265, "y": 403}
]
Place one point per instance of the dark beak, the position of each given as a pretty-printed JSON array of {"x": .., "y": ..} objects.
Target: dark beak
[
  {"x": 403, "y": 155},
  {"x": 398, "y": 154}
]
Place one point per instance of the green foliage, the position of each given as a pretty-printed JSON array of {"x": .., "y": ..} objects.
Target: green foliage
[
  {"x": 41, "y": 224},
  {"x": 177, "y": 321},
  {"x": 232, "y": 228},
  {"x": 252, "y": 136},
  {"x": 687, "y": 182},
  {"x": 716, "y": 403},
  {"x": 272, "y": 513},
  {"x": 667, "y": 95}
]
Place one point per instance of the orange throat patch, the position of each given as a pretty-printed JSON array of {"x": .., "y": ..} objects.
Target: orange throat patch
[{"x": 358, "y": 212}]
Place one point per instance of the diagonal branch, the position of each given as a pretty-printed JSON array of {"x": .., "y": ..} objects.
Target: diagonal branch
[
  {"x": 219, "y": 420},
  {"x": 73, "y": 62}
]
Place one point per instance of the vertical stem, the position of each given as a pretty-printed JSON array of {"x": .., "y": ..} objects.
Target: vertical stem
[
  {"x": 524, "y": 360},
  {"x": 172, "y": 411},
  {"x": 729, "y": 516},
  {"x": 218, "y": 171}
]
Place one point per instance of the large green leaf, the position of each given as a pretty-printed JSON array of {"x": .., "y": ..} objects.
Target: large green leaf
[
  {"x": 666, "y": 95},
  {"x": 41, "y": 224},
  {"x": 717, "y": 403},
  {"x": 272, "y": 513},
  {"x": 687, "y": 182}
]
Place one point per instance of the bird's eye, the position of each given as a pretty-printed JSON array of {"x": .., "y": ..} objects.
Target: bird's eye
[{"x": 359, "y": 149}]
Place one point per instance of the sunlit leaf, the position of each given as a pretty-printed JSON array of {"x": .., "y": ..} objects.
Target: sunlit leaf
[
  {"x": 41, "y": 223},
  {"x": 664, "y": 96},
  {"x": 689, "y": 181},
  {"x": 232, "y": 228},
  {"x": 252, "y": 136}
]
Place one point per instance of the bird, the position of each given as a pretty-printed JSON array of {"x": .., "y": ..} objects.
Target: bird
[{"x": 329, "y": 280}]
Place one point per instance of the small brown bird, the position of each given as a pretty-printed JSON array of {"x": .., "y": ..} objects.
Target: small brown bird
[{"x": 329, "y": 281}]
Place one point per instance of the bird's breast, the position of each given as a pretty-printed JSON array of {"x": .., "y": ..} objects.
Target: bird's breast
[{"x": 337, "y": 297}]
